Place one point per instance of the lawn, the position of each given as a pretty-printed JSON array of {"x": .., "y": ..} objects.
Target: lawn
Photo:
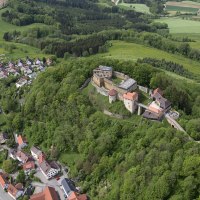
[
  {"x": 137, "y": 7},
  {"x": 178, "y": 25},
  {"x": 69, "y": 159},
  {"x": 131, "y": 51}
]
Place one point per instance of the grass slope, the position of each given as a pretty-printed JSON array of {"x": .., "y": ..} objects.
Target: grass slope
[
  {"x": 131, "y": 51},
  {"x": 21, "y": 50},
  {"x": 178, "y": 25},
  {"x": 137, "y": 7}
]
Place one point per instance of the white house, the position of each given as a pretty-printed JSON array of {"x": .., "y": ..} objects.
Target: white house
[
  {"x": 21, "y": 83},
  {"x": 35, "y": 152},
  {"x": 48, "y": 170}
]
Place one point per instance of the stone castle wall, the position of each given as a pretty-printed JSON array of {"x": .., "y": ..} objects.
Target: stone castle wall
[{"x": 120, "y": 75}]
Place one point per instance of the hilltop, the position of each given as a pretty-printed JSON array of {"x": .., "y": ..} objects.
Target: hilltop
[{"x": 109, "y": 152}]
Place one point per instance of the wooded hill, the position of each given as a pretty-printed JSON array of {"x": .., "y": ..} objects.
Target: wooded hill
[{"x": 117, "y": 159}]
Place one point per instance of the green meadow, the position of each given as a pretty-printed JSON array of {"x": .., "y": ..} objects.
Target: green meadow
[
  {"x": 131, "y": 51},
  {"x": 17, "y": 50},
  {"x": 133, "y": 6},
  {"x": 178, "y": 25}
]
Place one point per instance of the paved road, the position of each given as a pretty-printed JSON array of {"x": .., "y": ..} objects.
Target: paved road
[
  {"x": 4, "y": 195},
  {"x": 52, "y": 183}
]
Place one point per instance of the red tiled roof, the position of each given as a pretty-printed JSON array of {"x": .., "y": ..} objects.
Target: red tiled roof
[
  {"x": 41, "y": 158},
  {"x": 23, "y": 156},
  {"x": 155, "y": 110},
  {"x": 21, "y": 140},
  {"x": 48, "y": 193},
  {"x": 75, "y": 196},
  {"x": 19, "y": 186},
  {"x": 2, "y": 180},
  {"x": 29, "y": 165},
  {"x": 12, "y": 190},
  {"x": 131, "y": 96},
  {"x": 112, "y": 92},
  {"x": 158, "y": 90}
]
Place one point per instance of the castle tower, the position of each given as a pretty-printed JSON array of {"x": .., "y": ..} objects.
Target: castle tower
[
  {"x": 112, "y": 95},
  {"x": 130, "y": 101}
]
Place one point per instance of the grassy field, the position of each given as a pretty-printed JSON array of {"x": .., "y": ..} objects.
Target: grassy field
[
  {"x": 137, "y": 7},
  {"x": 193, "y": 36},
  {"x": 178, "y": 25},
  {"x": 18, "y": 50},
  {"x": 131, "y": 51}
]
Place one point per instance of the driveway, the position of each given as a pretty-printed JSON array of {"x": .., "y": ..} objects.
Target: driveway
[
  {"x": 52, "y": 183},
  {"x": 4, "y": 195}
]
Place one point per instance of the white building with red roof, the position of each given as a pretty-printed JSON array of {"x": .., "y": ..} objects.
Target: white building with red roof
[{"x": 130, "y": 101}]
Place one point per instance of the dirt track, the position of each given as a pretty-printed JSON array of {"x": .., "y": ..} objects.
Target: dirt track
[{"x": 181, "y": 4}]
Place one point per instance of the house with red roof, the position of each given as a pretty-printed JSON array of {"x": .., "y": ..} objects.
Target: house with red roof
[
  {"x": 23, "y": 157},
  {"x": 4, "y": 180},
  {"x": 27, "y": 167},
  {"x": 76, "y": 196},
  {"x": 49, "y": 193},
  {"x": 22, "y": 142},
  {"x": 130, "y": 101},
  {"x": 15, "y": 191},
  {"x": 49, "y": 169}
]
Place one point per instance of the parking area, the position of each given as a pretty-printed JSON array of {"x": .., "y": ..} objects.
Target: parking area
[{"x": 52, "y": 183}]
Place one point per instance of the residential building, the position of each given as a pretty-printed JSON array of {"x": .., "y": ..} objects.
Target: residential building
[
  {"x": 49, "y": 193},
  {"x": 14, "y": 191},
  {"x": 130, "y": 101},
  {"x": 3, "y": 138},
  {"x": 30, "y": 165},
  {"x": 42, "y": 157},
  {"x": 68, "y": 187},
  {"x": 162, "y": 102},
  {"x": 76, "y": 196},
  {"x": 22, "y": 142},
  {"x": 49, "y": 170},
  {"x": 23, "y": 157},
  {"x": 12, "y": 154},
  {"x": 21, "y": 82},
  {"x": 35, "y": 152},
  {"x": 3, "y": 180}
]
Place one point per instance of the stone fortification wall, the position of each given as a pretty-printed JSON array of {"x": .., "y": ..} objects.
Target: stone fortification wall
[
  {"x": 98, "y": 80},
  {"x": 143, "y": 89},
  {"x": 120, "y": 75},
  {"x": 100, "y": 90},
  {"x": 109, "y": 85}
]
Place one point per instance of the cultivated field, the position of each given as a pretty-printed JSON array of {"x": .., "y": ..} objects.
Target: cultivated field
[
  {"x": 183, "y": 6},
  {"x": 131, "y": 51}
]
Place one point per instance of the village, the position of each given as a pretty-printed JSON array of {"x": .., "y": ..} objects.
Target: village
[
  {"x": 50, "y": 180},
  {"x": 24, "y": 70}
]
